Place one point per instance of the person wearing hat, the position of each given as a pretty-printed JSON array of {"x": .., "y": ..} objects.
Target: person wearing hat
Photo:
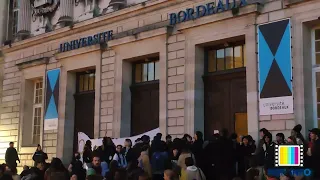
[{"x": 315, "y": 152}]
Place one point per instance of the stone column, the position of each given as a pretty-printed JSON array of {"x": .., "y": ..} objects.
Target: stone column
[
  {"x": 66, "y": 7},
  {"x": 24, "y": 19}
]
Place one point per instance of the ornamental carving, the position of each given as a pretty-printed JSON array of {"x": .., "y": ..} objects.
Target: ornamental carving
[{"x": 46, "y": 9}]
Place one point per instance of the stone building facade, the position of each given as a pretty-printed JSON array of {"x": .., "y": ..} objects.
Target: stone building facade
[{"x": 144, "y": 32}]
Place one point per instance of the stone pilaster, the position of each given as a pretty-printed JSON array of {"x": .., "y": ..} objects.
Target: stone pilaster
[
  {"x": 66, "y": 7},
  {"x": 24, "y": 19},
  {"x": 107, "y": 93},
  {"x": 176, "y": 90}
]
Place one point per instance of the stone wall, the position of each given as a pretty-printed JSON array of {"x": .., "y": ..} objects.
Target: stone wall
[
  {"x": 10, "y": 116},
  {"x": 176, "y": 78},
  {"x": 9, "y": 119},
  {"x": 107, "y": 93}
]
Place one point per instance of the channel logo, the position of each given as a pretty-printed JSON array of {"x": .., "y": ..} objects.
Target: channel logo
[{"x": 289, "y": 155}]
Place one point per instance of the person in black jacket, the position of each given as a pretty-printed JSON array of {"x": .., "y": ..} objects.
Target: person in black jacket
[
  {"x": 315, "y": 153},
  {"x": 76, "y": 167},
  {"x": 128, "y": 151},
  {"x": 87, "y": 153},
  {"x": 11, "y": 156},
  {"x": 3, "y": 174},
  {"x": 268, "y": 148},
  {"x": 197, "y": 149},
  {"x": 39, "y": 156},
  {"x": 107, "y": 150},
  {"x": 245, "y": 153}
]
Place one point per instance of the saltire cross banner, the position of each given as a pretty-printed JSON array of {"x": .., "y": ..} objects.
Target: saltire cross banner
[
  {"x": 275, "y": 68},
  {"x": 52, "y": 100}
]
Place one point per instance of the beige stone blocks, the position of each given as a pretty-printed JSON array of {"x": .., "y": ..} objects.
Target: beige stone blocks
[
  {"x": 273, "y": 125},
  {"x": 107, "y": 93},
  {"x": 176, "y": 130},
  {"x": 176, "y": 78},
  {"x": 277, "y": 123}
]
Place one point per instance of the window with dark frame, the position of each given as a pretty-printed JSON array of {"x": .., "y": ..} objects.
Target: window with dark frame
[
  {"x": 146, "y": 71},
  {"x": 13, "y": 18},
  {"x": 86, "y": 81},
  {"x": 225, "y": 58}
]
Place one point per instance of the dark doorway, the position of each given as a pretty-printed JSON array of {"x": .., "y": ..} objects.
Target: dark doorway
[
  {"x": 84, "y": 105},
  {"x": 225, "y": 95},
  {"x": 145, "y": 97},
  {"x": 225, "y": 90}
]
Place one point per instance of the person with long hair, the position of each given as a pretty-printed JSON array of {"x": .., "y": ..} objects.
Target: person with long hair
[
  {"x": 56, "y": 171},
  {"x": 296, "y": 132},
  {"x": 268, "y": 149},
  {"x": 292, "y": 140}
]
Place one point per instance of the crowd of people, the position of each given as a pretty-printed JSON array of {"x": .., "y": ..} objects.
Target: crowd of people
[{"x": 222, "y": 157}]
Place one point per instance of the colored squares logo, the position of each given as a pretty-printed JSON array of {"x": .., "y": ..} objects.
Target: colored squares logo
[{"x": 289, "y": 156}]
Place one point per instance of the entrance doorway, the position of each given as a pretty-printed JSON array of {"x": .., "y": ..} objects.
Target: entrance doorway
[
  {"x": 84, "y": 105},
  {"x": 145, "y": 97},
  {"x": 225, "y": 92}
]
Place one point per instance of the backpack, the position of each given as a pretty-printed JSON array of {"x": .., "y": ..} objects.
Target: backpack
[{"x": 158, "y": 161}]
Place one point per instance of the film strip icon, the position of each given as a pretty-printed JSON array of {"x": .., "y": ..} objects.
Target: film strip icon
[{"x": 288, "y": 156}]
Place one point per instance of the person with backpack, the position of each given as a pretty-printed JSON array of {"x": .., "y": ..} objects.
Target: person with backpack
[
  {"x": 119, "y": 157},
  {"x": 192, "y": 171},
  {"x": 159, "y": 162}
]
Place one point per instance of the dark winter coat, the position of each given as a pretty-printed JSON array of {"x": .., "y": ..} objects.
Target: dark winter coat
[
  {"x": 197, "y": 150},
  {"x": 87, "y": 154},
  {"x": 106, "y": 153},
  {"x": 11, "y": 157},
  {"x": 39, "y": 157},
  {"x": 129, "y": 154},
  {"x": 315, "y": 158},
  {"x": 268, "y": 150}
]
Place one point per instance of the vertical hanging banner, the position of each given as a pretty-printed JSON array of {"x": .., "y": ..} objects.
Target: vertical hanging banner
[
  {"x": 275, "y": 68},
  {"x": 52, "y": 100}
]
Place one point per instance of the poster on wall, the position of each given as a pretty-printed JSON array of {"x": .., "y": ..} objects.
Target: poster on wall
[
  {"x": 52, "y": 100},
  {"x": 275, "y": 68}
]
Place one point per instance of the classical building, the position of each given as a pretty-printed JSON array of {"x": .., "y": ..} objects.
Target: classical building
[{"x": 121, "y": 68}]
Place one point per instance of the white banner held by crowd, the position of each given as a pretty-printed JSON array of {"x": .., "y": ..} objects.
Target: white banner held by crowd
[{"x": 82, "y": 138}]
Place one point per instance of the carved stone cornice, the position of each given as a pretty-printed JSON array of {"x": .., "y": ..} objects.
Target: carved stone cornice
[{"x": 35, "y": 60}]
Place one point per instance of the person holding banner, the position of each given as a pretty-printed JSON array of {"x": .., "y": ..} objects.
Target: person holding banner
[{"x": 107, "y": 150}]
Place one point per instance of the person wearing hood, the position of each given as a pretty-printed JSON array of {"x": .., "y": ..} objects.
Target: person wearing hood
[
  {"x": 197, "y": 149},
  {"x": 39, "y": 156},
  {"x": 192, "y": 171}
]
